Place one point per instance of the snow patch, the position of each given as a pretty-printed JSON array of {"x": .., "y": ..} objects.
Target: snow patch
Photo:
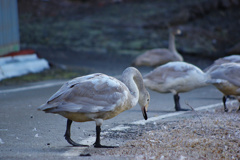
[
  {"x": 14, "y": 66},
  {"x": 36, "y": 135},
  {"x": 1, "y": 141}
]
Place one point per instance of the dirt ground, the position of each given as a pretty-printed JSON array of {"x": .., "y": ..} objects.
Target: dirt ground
[
  {"x": 204, "y": 137},
  {"x": 201, "y": 135}
]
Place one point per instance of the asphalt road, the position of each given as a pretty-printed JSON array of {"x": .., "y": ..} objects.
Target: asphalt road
[{"x": 28, "y": 133}]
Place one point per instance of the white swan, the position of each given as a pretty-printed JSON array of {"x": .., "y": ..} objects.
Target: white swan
[
  {"x": 227, "y": 59},
  {"x": 175, "y": 77},
  {"x": 97, "y": 97},
  {"x": 160, "y": 56},
  {"x": 226, "y": 78}
]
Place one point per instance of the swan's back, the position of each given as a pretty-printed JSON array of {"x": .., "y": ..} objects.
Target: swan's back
[
  {"x": 227, "y": 72},
  {"x": 93, "y": 93},
  {"x": 227, "y": 59},
  {"x": 156, "y": 57},
  {"x": 173, "y": 70},
  {"x": 179, "y": 76}
]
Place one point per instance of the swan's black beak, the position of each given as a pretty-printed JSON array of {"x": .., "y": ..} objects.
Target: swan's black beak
[{"x": 144, "y": 111}]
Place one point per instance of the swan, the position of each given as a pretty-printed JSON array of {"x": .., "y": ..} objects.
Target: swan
[
  {"x": 227, "y": 59},
  {"x": 160, "y": 56},
  {"x": 226, "y": 78},
  {"x": 97, "y": 97},
  {"x": 175, "y": 78}
]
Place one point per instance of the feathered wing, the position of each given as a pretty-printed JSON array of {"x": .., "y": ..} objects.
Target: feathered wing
[
  {"x": 171, "y": 70},
  {"x": 231, "y": 74},
  {"x": 154, "y": 57},
  {"x": 88, "y": 94},
  {"x": 228, "y": 59}
]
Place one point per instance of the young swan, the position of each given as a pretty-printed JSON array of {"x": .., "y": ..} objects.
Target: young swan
[
  {"x": 160, "y": 56},
  {"x": 226, "y": 78},
  {"x": 227, "y": 59},
  {"x": 97, "y": 97},
  {"x": 175, "y": 78}
]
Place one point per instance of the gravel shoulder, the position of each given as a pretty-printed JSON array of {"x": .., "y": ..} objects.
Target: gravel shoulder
[{"x": 199, "y": 135}]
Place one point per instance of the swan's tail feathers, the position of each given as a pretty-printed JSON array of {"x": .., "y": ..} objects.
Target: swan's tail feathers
[{"x": 46, "y": 108}]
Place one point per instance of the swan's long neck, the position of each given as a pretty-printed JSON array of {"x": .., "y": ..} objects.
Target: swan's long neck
[
  {"x": 171, "y": 43},
  {"x": 132, "y": 78},
  {"x": 172, "y": 46}
]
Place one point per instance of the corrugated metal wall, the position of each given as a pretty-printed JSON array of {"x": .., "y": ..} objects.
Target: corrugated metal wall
[{"x": 9, "y": 27}]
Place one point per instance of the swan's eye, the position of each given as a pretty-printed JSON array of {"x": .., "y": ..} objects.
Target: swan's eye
[{"x": 148, "y": 100}]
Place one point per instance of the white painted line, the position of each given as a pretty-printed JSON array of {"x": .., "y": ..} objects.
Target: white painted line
[
  {"x": 32, "y": 87},
  {"x": 88, "y": 141},
  {"x": 75, "y": 151},
  {"x": 143, "y": 122},
  {"x": 208, "y": 106},
  {"x": 119, "y": 128}
]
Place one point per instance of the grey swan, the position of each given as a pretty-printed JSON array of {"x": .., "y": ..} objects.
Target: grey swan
[
  {"x": 226, "y": 78},
  {"x": 175, "y": 78},
  {"x": 160, "y": 56},
  {"x": 97, "y": 97}
]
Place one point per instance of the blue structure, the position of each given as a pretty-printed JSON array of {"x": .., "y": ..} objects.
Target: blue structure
[{"x": 9, "y": 27}]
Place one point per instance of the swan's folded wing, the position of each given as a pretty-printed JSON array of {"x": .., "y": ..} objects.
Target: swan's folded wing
[
  {"x": 66, "y": 86},
  {"x": 233, "y": 76},
  {"x": 230, "y": 74},
  {"x": 92, "y": 95},
  {"x": 161, "y": 74}
]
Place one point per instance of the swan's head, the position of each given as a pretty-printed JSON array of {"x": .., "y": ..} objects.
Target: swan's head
[
  {"x": 175, "y": 30},
  {"x": 144, "y": 100},
  {"x": 178, "y": 32}
]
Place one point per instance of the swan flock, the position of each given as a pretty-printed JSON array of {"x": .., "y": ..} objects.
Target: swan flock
[{"x": 98, "y": 97}]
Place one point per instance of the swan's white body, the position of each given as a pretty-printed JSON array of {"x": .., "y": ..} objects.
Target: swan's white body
[
  {"x": 226, "y": 78},
  {"x": 77, "y": 102},
  {"x": 175, "y": 77},
  {"x": 98, "y": 97},
  {"x": 160, "y": 56}
]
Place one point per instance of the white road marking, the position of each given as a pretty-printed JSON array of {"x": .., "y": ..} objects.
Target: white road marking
[
  {"x": 152, "y": 119},
  {"x": 32, "y": 87},
  {"x": 74, "y": 151},
  {"x": 119, "y": 128},
  {"x": 91, "y": 140},
  {"x": 88, "y": 141}
]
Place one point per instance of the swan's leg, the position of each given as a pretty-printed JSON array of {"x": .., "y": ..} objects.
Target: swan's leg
[
  {"x": 97, "y": 144},
  {"x": 238, "y": 110},
  {"x": 177, "y": 104},
  {"x": 176, "y": 101},
  {"x": 68, "y": 135},
  {"x": 224, "y": 99}
]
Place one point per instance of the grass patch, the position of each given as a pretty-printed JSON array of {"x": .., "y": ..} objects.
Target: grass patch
[{"x": 53, "y": 73}]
